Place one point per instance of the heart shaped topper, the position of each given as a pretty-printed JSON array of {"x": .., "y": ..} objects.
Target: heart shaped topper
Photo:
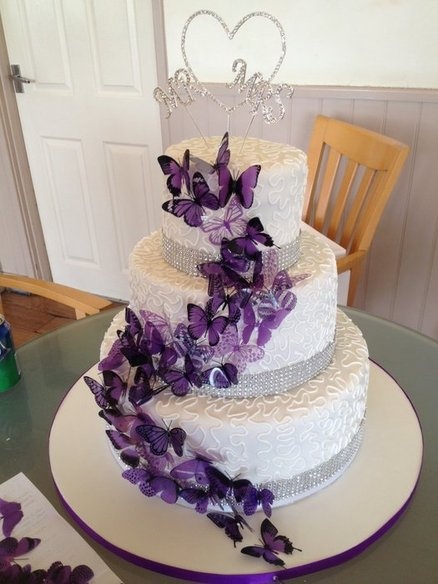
[{"x": 242, "y": 83}]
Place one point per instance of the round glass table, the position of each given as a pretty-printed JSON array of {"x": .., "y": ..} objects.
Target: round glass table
[{"x": 50, "y": 365}]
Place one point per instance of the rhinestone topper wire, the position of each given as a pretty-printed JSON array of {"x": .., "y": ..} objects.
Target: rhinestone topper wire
[{"x": 258, "y": 94}]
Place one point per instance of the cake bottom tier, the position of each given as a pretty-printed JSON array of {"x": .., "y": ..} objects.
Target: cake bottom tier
[{"x": 293, "y": 443}]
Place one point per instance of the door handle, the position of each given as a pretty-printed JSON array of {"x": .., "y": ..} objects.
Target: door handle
[{"x": 18, "y": 80}]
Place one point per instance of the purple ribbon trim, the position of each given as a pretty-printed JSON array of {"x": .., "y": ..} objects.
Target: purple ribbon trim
[{"x": 263, "y": 578}]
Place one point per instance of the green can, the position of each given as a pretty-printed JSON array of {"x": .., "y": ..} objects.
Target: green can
[{"x": 9, "y": 370}]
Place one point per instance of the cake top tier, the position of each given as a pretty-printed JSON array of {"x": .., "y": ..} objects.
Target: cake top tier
[{"x": 265, "y": 180}]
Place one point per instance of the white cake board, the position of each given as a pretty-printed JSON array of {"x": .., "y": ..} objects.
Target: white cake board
[{"x": 330, "y": 526}]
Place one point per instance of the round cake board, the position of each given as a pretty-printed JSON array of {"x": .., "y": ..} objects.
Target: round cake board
[{"x": 330, "y": 527}]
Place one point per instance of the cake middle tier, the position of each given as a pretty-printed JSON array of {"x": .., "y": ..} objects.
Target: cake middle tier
[{"x": 304, "y": 338}]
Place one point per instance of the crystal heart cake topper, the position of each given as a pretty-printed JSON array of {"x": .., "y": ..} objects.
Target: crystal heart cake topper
[{"x": 257, "y": 93}]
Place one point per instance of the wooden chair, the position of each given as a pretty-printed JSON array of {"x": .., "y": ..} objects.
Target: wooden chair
[
  {"x": 352, "y": 172},
  {"x": 83, "y": 303}
]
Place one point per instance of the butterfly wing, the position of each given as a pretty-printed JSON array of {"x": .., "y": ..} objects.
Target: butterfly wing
[
  {"x": 12, "y": 515},
  {"x": 246, "y": 184},
  {"x": 229, "y": 524},
  {"x": 98, "y": 391},
  {"x": 157, "y": 437},
  {"x": 177, "y": 438}
]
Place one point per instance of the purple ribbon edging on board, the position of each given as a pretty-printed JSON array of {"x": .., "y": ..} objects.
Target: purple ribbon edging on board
[{"x": 261, "y": 578}]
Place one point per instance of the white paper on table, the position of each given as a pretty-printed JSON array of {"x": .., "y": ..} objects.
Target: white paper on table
[{"x": 59, "y": 541}]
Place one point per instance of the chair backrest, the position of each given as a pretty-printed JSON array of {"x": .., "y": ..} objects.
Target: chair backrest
[
  {"x": 83, "y": 303},
  {"x": 352, "y": 172}
]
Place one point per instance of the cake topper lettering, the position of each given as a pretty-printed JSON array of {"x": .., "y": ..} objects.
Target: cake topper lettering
[{"x": 257, "y": 93}]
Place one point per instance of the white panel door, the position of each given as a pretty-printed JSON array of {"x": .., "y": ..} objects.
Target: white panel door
[{"x": 92, "y": 131}]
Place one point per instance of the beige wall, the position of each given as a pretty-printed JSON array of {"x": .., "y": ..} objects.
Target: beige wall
[{"x": 377, "y": 43}]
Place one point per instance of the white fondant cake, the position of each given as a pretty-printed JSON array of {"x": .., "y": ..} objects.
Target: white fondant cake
[{"x": 234, "y": 356}]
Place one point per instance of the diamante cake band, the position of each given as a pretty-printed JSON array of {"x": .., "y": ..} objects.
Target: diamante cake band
[
  {"x": 187, "y": 259},
  {"x": 315, "y": 478},
  {"x": 274, "y": 381}
]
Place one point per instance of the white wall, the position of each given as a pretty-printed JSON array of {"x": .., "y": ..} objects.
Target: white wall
[{"x": 378, "y": 43}]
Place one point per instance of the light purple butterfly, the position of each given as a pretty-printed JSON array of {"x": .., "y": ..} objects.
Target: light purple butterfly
[
  {"x": 238, "y": 353},
  {"x": 178, "y": 174},
  {"x": 243, "y": 186},
  {"x": 192, "y": 209},
  {"x": 11, "y": 514},
  {"x": 204, "y": 322},
  {"x": 192, "y": 469},
  {"x": 273, "y": 544},
  {"x": 160, "y": 438},
  {"x": 229, "y": 226}
]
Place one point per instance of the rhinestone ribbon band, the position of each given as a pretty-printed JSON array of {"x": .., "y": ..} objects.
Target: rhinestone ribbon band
[
  {"x": 274, "y": 381},
  {"x": 187, "y": 259},
  {"x": 310, "y": 480}
]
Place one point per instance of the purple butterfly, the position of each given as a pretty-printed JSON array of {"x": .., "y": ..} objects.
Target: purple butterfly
[
  {"x": 11, "y": 514},
  {"x": 11, "y": 548},
  {"x": 254, "y": 236},
  {"x": 243, "y": 186},
  {"x": 160, "y": 438},
  {"x": 229, "y": 269},
  {"x": 199, "y": 497},
  {"x": 230, "y": 225},
  {"x": 224, "y": 487},
  {"x": 182, "y": 380},
  {"x": 192, "y": 469},
  {"x": 151, "y": 484},
  {"x": 204, "y": 322},
  {"x": 192, "y": 209},
  {"x": 126, "y": 445},
  {"x": 178, "y": 174},
  {"x": 60, "y": 574},
  {"x": 184, "y": 345},
  {"x": 238, "y": 353},
  {"x": 255, "y": 497},
  {"x": 230, "y": 523},
  {"x": 272, "y": 545},
  {"x": 220, "y": 376}
]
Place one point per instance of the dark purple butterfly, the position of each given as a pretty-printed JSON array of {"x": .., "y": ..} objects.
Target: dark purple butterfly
[
  {"x": 199, "y": 497},
  {"x": 60, "y": 574},
  {"x": 248, "y": 243},
  {"x": 182, "y": 380},
  {"x": 192, "y": 469},
  {"x": 11, "y": 548},
  {"x": 229, "y": 268},
  {"x": 126, "y": 445},
  {"x": 255, "y": 497},
  {"x": 230, "y": 523},
  {"x": 243, "y": 186},
  {"x": 204, "y": 322},
  {"x": 224, "y": 487},
  {"x": 161, "y": 438},
  {"x": 192, "y": 209},
  {"x": 11, "y": 514},
  {"x": 272, "y": 545},
  {"x": 220, "y": 376},
  {"x": 178, "y": 175}
]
